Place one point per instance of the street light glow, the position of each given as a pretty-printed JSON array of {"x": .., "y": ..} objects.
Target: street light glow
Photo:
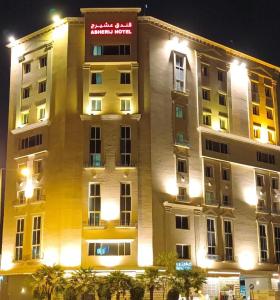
[{"x": 56, "y": 19}]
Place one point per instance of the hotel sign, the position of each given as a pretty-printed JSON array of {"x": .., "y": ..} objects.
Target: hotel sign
[
  {"x": 111, "y": 28},
  {"x": 183, "y": 265}
]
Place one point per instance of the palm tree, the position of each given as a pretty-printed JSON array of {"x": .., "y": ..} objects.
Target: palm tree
[
  {"x": 189, "y": 279},
  {"x": 151, "y": 280},
  {"x": 48, "y": 281},
  {"x": 83, "y": 282},
  {"x": 119, "y": 283},
  {"x": 168, "y": 261}
]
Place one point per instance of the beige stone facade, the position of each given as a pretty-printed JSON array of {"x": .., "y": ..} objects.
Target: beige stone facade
[{"x": 129, "y": 137}]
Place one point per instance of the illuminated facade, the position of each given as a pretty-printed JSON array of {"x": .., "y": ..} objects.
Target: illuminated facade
[{"x": 128, "y": 137}]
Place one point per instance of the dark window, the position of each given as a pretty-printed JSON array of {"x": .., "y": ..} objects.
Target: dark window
[
  {"x": 256, "y": 110},
  {"x": 96, "y": 78},
  {"x": 277, "y": 243},
  {"x": 181, "y": 165},
  {"x": 43, "y": 61},
  {"x": 125, "y": 78},
  {"x": 216, "y": 147},
  {"x": 204, "y": 70},
  {"x": 274, "y": 183},
  {"x": 31, "y": 141},
  {"x": 209, "y": 171},
  {"x": 265, "y": 158},
  {"x": 27, "y": 68},
  {"x": 206, "y": 94},
  {"x": 94, "y": 204},
  {"x": 259, "y": 180},
  {"x": 95, "y": 147},
  {"x": 125, "y": 146},
  {"x": 226, "y": 174},
  {"x": 182, "y": 222},
  {"x": 228, "y": 240},
  {"x": 183, "y": 251},
  {"x": 221, "y": 75},
  {"x": 222, "y": 99},
  {"x": 26, "y": 92},
  {"x": 42, "y": 86},
  {"x": 125, "y": 204}
]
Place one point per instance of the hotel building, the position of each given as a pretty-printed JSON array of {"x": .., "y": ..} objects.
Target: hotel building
[{"x": 129, "y": 137}]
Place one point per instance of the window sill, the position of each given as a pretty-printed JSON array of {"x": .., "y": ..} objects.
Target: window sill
[
  {"x": 94, "y": 168},
  {"x": 125, "y": 167},
  {"x": 126, "y": 227},
  {"x": 89, "y": 227},
  {"x": 185, "y": 93}
]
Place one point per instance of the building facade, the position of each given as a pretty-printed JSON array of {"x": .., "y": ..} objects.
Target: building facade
[{"x": 129, "y": 137}]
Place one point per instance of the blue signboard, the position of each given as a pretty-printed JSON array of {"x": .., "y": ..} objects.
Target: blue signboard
[
  {"x": 183, "y": 265},
  {"x": 102, "y": 250}
]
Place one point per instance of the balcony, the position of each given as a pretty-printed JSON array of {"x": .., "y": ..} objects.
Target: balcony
[
  {"x": 94, "y": 165},
  {"x": 19, "y": 202},
  {"x": 182, "y": 198},
  {"x": 214, "y": 257},
  {"x": 262, "y": 208},
  {"x": 276, "y": 208},
  {"x": 38, "y": 200}
]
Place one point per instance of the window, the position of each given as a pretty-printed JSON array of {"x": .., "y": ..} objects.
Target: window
[
  {"x": 274, "y": 183},
  {"x": 257, "y": 132},
  {"x": 41, "y": 112},
  {"x": 277, "y": 243},
  {"x": 182, "y": 194},
  {"x": 109, "y": 249},
  {"x": 100, "y": 50},
  {"x": 179, "y": 112},
  {"x": 267, "y": 90},
  {"x": 265, "y": 157},
  {"x": 228, "y": 240},
  {"x": 125, "y": 78},
  {"x": 256, "y": 110},
  {"x": 183, "y": 251},
  {"x": 206, "y": 94},
  {"x": 255, "y": 92},
  {"x": 94, "y": 204},
  {"x": 204, "y": 70},
  {"x": 181, "y": 165},
  {"x": 180, "y": 138},
  {"x": 95, "y": 104},
  {"x": 31, "y": 141},
  {"x": 42, "y": 86},
  {"x": 263, "y": 243},
  {"x": 222, "y": 99},
  {"x": 125, "y": 104},
  {"x": 269, "y": 114},
  {"x": 259, "y": 180},
  {"x": 95, "y": 147},
  {"x": 209, "y": 171},
  {"x": 36, "y": 238},
  {"x": 221, "y": 75},
  {"x": 38, "y": 194},
  {"x": 125, "y": 204},
  {"x": 19, "y": 239},
  {"x": 216, "y": 147},
  {"x": 209, "y": 198},
  {"x": 96, "y": 78},
  {"x": 225, "y": 174},
  {"x": 21, "y": 197},
  {"x": 24, "y": 117},
  {"x": 26, "y": 92},
  {"x": 43, "y": 60},
  {"x": 226, "y": 200},
  {"x": 38, "y": 166},
  {"x": 211, "y": 236},
  {"x": 179, "y": 73},
  {"x": 182, "y": 222},
  {"x": 223, "y": 123},
  {"x": 206, "y": 118},
  {"x": 261, "y": 205},
  {"x": 26, "y": 68},
  {"x": 270, "y": 135},
  {"x": 125, "y": 146}
]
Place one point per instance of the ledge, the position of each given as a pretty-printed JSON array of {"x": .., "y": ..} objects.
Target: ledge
[
  {"x": 30, "y": 127},
  {"x": 111, "y": 117}
]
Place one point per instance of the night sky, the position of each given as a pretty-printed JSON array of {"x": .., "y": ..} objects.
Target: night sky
[{"x": 251, "y": 26}]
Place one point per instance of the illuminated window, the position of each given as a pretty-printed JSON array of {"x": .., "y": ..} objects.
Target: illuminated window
[
  {"x": 179, "y": 112},
  {"x": 21, "y": 197},
  {"x": 96, "y": 78},
  {"x": 179, "y": 72},
  {"x": 257, "y": 132},
  {"x": 204, "y": 70},
  {"x": 109, "y": 249},
  {"x": 269, "y": 114},
  {"x": 274, "y": 183},
  {"x": 209, "y": 198},
  {"x": 125, "y": 104},
  {"x": 38, "y": 166},
  {"x": 206, "y": 94},
  {"x": 263, "y": 243},
  {"x": 124, "y": 78},
  {"x": 223, "y": 123},
  {"x": 228, "y": 240},
  {"x": 256, "y": 110},
  {"x": 42, "y": 86},
  {"x": 270, "y": 135},
  {"x": 222, "y": 99},
  {"x": 94, "y": 204},
  {"x": 26, "y": 68},
  {"x": 182, "y": 194},
  {"x": 180, "y": 138},
  {"x": 26, "y": 92},
  {"x": 209, "y": 171},
  {"x": 41, "y": 112},
  {"x": 181, "y": 165},
  {"x": 221, "y": 75},
  {"x": 19, "y": 239},
  {"x": 277, "y": 243},
  {"x": 226, "y": 200},
  {"x": 206, "y": 118},
  {"x": 183, "y": 251},
  {"x": 36, "y": 237},
  {"x": 211, "y": 237},
  {"x": 96, "y": 104},
  {"x": 95, "y": 147},
  {"x": 99, "y": 50},
  {"x": 225, "y": 174},
  {"x": 182, "y": 222},
  {"x": 259, "y": 180},
  {"x": 24, "y": 117},
  {"x": 43, "y": 61},
  {"x": 125, "y": 146},
  {"x": 125, "y": 204}
]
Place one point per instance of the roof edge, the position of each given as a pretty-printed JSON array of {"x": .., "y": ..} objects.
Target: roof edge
[{"x": 113, "y": 9}]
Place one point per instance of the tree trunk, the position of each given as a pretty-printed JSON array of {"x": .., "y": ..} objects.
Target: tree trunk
[
  {"x": 118, "y": 296},
  {"x": 49, "y": 297},
  {"x": 187, "y": 294},
  {"x": 151, "y": 293}
]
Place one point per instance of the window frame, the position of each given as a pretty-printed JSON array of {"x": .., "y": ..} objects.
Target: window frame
[
  {"x": 225, "y": 234},
  {"x": 19, "y": 240},
  {"x": 94, "y": 215},
  {"x": 127, "y": 199},
  {"x": 263, "y": 259},
  {"x": 37, "y": 245},
  {"x": 215, "y": 244},
  {"x": 181, "y": 70}
]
